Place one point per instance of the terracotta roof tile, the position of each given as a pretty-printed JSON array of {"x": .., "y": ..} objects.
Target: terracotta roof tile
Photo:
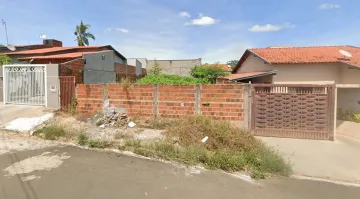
[
  {"x": 316, "y": 54},
  {"x": 51, "y": 50},
  {"x": 61, "y": 56}
]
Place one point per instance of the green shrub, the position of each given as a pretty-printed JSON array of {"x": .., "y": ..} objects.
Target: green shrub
[
  {"x": 210, "y": 73},
  {"x": 99, "y": 144},
  {"x": 171, "y": 79},
  {"x": 83, "y": 139},
  {"x": 51, "y": 132},
  {"x": 4, "y": 59},
  {"x": 349, "y": 116},
  {"x": 228, "y": 148}
]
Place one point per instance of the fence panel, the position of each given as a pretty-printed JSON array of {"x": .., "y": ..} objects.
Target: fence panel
[
  {"x": 24, "y": 84},
  {"x": 67, "y": 92},
  {"x": 296, "y": 111}
]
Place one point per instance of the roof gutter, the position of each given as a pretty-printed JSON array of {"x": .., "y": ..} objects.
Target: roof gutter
[
  {"x": 351, "y": 66},
  {"x": 116, "y": 52},
  {"x": 254, "y": 76}
]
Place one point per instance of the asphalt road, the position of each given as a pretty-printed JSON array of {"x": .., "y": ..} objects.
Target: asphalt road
[{"x": 69, "y": 172}]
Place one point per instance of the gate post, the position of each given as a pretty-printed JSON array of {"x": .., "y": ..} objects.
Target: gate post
[
  {"x": 247, "y": 106},
  {"x": 332, "y": 111}
]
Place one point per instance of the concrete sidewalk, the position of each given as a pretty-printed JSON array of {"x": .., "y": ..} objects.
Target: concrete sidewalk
[
  {"x": 10, "y": 112},
  {"x": 338, "y": 160},
  {"x": 71, "y": 172}
]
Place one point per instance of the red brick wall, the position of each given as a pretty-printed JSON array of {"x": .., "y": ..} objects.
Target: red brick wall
[
  {"x": 176, "y": 100},
  {"x": 137, "y": 99},
  {"x": 126, "y": 71},
  {"x": 224, "y": 102},
  {"x": 73, "y": 68},
  {"x": 90, "y": 97}
]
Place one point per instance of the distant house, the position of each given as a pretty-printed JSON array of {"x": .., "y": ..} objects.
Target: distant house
[
  {"x": 224, "y": 66},
  {"x": 89, "y": 64}
]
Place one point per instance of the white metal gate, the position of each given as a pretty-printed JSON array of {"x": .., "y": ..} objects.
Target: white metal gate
[{"x": 24, "y": 84}]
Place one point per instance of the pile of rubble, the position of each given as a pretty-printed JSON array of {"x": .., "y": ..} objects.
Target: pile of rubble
[{"x": 113, "y": 117}]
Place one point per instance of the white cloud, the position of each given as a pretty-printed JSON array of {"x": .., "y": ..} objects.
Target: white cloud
[
  {"x": 327, "y": 6},
  {"x": 123, "y": 30},
  {"x": 185, "y": 14},
  {"x": 270, "y": 27},
  {"x": 203, "y": 21}
]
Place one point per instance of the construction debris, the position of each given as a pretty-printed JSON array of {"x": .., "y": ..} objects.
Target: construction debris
[{"x": 113, "y": 117}]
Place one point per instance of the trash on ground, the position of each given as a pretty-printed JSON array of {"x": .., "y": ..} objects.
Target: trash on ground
[
  {"x": 27, "y": 124},
  {"x": 205, "y": 139},
  {"x": 102, "y": 126},
  {"x": 131, "y": 124}
]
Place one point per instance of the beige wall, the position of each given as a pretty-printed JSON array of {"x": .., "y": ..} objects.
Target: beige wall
[
  {"x": 349, "y": 75},
  {"x": 304, "y": 73},
  {"x": 349, "y": 99},
  {"x": 52, "y": 80},
  {"x": 175, "y": 67}
]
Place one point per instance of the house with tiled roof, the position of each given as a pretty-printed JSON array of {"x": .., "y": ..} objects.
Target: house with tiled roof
[
  {"x": 299, "y": 65},
  {"x": 89, "y": 64},
  {"x": 336, "y": 65}
]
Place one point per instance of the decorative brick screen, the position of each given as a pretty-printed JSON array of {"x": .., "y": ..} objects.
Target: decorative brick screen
[{"x": 298, "y": 111}]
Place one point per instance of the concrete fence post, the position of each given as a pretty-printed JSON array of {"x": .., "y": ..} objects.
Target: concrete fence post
[
  {"x": 247, "y": 105},
  {"x": 156, "y": 100},
  {"x": 198, "y": 99},
  {"x": 105, "y": 94}
]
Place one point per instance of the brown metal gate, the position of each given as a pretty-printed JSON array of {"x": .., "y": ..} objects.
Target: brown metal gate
[
  {"x": 295, "y": 111},
  {"x": 67, "y": 93}
]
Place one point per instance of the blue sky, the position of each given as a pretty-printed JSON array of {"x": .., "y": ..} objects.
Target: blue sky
[{"x": 215, "y": 30}]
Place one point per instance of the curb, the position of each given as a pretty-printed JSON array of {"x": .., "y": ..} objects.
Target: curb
[{"x": 349, "y": 184}]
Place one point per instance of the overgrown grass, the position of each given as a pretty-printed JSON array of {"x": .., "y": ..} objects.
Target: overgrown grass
[
  {"x": 161, "y": 123},
  {"x": 120, "y": 135},
  {"x": 228, "y": 148},
  {"x": 84, "y": 140},
  {"x": 349, "y": 116},
  {"x": 51, "y": 132}
]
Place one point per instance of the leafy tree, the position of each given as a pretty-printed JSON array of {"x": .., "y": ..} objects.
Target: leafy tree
[
  {"x": 232, "y": 63},
  {"x": 156, "y": 69},
  {"x": 210, "y": 73},
  {"x": 4, "y": 59},
  {"x": 2, "y": 45},
  {"x": 82, "y": 36}
]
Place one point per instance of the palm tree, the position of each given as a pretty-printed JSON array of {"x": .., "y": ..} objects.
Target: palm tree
[{"x": 82, "y": 36}]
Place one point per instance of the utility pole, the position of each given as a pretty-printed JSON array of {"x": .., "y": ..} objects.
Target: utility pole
[{"x": 7, "y": 40}]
